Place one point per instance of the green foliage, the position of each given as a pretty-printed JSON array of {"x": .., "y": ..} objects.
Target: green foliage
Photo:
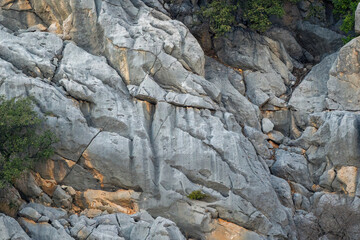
[
  {"x": 196, "y": 195},
  {"x": 346, "y": 10},
  {"x": 257, "y": 12},
  {"x": 316, "y": 11},
  {"x": 222, "y": 15},
  {"x": 21, "y": 142}
]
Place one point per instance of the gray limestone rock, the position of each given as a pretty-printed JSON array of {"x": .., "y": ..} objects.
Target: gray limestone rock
[
  {"x": 164, "y": 229},
  {"x": 27, "y": 185},
  {"x": 283, "y": 190},
  {"x": 288, "y": 40},
  {"x": 291, "y": 166},
  {"x": 51, "y": 213},
  {"x": 343, "y": 85},
  {"x": 35, "y": 52},
  {"x": 318, "y": 40},
  {"x": 267, "y": 125},
  {"x": 61, "y": 198},
  {"x": 105, "y": 232},
  {"x": 250, "y": 51},
  {"x": 148, "y": 90},
  {"x": 307, "y": 225},
  {"x": 126, "y": 224},
  {"x": 30, "y": 213},
  {"x": 261, "y": 87},
  {"x": 187, "y": 100},
  {"x": 310, "y": 95},
  {"x": 134, "y": 108},
  {"x": 10, "y": 229},
  {"x": 281, "y": 119},
  {"x": 43, "y": 231},
  {"x": 335, "y": 143},
  {"x": 232, "y": 89},
  {"x": 357, "y": 19},
  {"x": 276, "y": 136},
  {"x": 43, "y": 219},
  {"x": 259, "y": 141},
  {"x": 140, "y": 231}
]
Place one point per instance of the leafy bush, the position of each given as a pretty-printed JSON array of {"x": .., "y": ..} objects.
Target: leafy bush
[
  {"x": 222, "y": 14},
  {"x": 257, "y": 12},
  {"x": 196, "y": 195},
  {"x": 21, "y": 141},
  {"x": 346, "y": 10}
]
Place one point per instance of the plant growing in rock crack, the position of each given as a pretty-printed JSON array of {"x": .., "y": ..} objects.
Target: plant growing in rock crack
[
  {"x": 22, "y": 140},
  {"x": 196, "y": 195}
]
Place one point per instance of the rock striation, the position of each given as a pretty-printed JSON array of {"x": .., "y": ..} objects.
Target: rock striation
[{"x": 144, "y": 118}]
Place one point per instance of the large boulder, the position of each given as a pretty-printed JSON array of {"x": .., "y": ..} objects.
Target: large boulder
[
  {"x": 310, "y": 95},
  {"x": 317, "y": 40},
  {"x": 10, "y": 229},
  {"x": 288, "y": 40},
  {"x": 343, "y": 85}
]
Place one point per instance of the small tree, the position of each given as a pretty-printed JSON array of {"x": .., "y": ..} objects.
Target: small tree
[{"x": 22, "y": 142}]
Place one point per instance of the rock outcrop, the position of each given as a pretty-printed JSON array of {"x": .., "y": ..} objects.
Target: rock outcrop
[{"x": 144, "y": 118}]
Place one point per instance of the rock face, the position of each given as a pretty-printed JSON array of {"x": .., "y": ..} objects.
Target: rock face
[
  {"x": 344, "y": 79},
  {"x": 310, "y": 96},
  {"x": 144, "y": 119}
]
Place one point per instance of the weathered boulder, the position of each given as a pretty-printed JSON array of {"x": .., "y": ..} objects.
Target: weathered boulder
[
  {"x": 10, "y": 229},
  {"x": 288, "y": 40},
  {"x": 43, "y": 231},
  {"x": 343, "y": 84},
  {"x": 51, "y": 213},
  {"x": 10, "y": 201},
  {"x": 293, "y": 167},
  {"x": 317, "y": 40},
  {"x": 283, "y": 190},
  {"x": 30, "y": 213},
  {"x": 263, "y": 87},
  {"x": 310, "y": 95}
]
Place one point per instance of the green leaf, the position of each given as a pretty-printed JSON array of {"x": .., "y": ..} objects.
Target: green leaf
[{"x": 22, "y": 139}]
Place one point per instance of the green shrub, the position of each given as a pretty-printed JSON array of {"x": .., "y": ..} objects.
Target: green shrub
[
  {"x": 196, "y": 195},
  {"x": 21, "y": 140},
  {"x": 346, "y": 11},
  {"x": 316, "y": 11},
  {"x": 222, "y": 15},
  {"x": 257, "y": 13}
]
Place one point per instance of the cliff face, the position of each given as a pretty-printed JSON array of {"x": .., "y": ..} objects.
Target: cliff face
[{"x": 144, "y": 118}]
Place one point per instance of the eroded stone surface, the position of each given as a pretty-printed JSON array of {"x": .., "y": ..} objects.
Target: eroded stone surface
[{"x": 136, "y": 107}]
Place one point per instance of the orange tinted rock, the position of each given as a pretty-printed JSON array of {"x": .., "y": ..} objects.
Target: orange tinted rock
[
  {"x": 346, "y": 177},
  {"x": 224, "y": 230},
  {"x": 47, "y": 185},
  {"x": 123, "y": 201},
  {"x": 10, "y": 201}
]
